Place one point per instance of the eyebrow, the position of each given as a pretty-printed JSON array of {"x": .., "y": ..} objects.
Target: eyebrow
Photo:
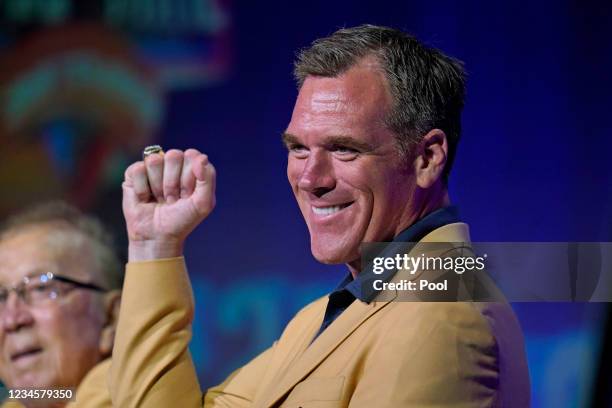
[
  {"x": 289, "y": 139},
  {"x": 348, "y": 141}
]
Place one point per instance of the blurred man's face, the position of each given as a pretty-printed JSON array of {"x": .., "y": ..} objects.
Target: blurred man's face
[
  {"x": 51, "y": 345},
  {"x": 349, "y": 181}
]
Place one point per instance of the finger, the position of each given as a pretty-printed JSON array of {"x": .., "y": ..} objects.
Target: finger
[
  {"x": 136, "y": 182},
  {"x": 155, "y": 172},
  {"x": 173, "y": 164},
  {"x": 188, "y": 180},
  {"x": 204, "y": 194}
]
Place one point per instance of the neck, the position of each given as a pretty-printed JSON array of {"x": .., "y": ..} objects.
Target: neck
[
  {"x": 427, "y": 205},
  {"x": 425, "y": 201}
]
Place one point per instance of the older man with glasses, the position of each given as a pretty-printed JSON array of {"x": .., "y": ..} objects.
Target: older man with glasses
[{"x": 60, "y": 283}]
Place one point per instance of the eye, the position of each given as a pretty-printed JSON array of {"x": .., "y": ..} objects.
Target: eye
[
  {"x": 297, "y": 150},
  {"x": 345, "y": 152},
  {"x": 38, "y": 291},
  {"x": 38, "y": 287}
]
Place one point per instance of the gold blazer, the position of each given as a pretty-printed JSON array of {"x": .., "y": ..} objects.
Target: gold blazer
[{"x": 376, "y": 355}]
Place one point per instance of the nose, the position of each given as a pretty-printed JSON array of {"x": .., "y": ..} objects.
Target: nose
[
  {"x": 317, "y": 176},
  {"x": 15, "y": 314}
]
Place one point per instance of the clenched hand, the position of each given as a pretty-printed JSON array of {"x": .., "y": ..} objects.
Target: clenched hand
[{"x": 164, "y": 198}]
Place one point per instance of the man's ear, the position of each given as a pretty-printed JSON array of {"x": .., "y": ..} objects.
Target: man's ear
[
  {"x": 430, "y": 159},
  {"x": 112, "y": 300}
]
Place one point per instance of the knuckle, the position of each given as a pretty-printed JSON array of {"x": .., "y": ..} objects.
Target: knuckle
[
  {"x": 133, "y": 169},
  {"x": 192, "y": 152},
  {"x": 212, "y": 171},
  {"x": 173, "y": 154}
]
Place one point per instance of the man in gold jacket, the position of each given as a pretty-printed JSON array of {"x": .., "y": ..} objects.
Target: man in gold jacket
[{"x": 370, "y": 144}]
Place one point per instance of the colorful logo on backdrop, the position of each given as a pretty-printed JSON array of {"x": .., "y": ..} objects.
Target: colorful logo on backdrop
[
  {"x": 82, "y": 84},
  {"x": 74, "y": 104}
]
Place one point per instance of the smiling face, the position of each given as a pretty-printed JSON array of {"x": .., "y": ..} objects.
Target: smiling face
[
  {"x": 351, "y": 184},
  {"x": 53, "y": 345}
]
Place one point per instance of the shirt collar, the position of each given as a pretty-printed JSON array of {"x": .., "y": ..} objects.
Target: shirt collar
[{"x": 413, "y": 233}]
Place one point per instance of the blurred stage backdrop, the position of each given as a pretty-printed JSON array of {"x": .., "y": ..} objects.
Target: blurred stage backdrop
[{"x": 84, "y": 85}]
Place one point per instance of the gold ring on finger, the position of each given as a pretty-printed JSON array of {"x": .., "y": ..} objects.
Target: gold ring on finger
[{"x": 152, "y": 149}]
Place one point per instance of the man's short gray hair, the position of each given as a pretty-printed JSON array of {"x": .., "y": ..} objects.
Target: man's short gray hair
[
  {"x": 427, "y": 87},
  {"x": 70, "y": 218}
]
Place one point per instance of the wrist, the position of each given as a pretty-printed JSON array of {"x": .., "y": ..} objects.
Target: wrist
[{"x": 151, "y": 250}]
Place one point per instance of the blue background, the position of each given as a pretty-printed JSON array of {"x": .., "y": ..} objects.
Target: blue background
[{"x": 533, "y": 163}]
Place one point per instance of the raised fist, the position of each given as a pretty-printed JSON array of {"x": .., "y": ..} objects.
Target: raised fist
[{"x": 164, "y": 198}]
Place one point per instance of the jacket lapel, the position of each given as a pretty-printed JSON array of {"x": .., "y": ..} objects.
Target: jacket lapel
[{"x": 353, "y": 317}]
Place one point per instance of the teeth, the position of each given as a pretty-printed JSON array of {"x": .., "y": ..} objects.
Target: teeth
[{"x": 326, "y": 210}]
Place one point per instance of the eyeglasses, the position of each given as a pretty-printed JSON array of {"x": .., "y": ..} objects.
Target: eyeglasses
[{"x": 40, "y": 289}]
